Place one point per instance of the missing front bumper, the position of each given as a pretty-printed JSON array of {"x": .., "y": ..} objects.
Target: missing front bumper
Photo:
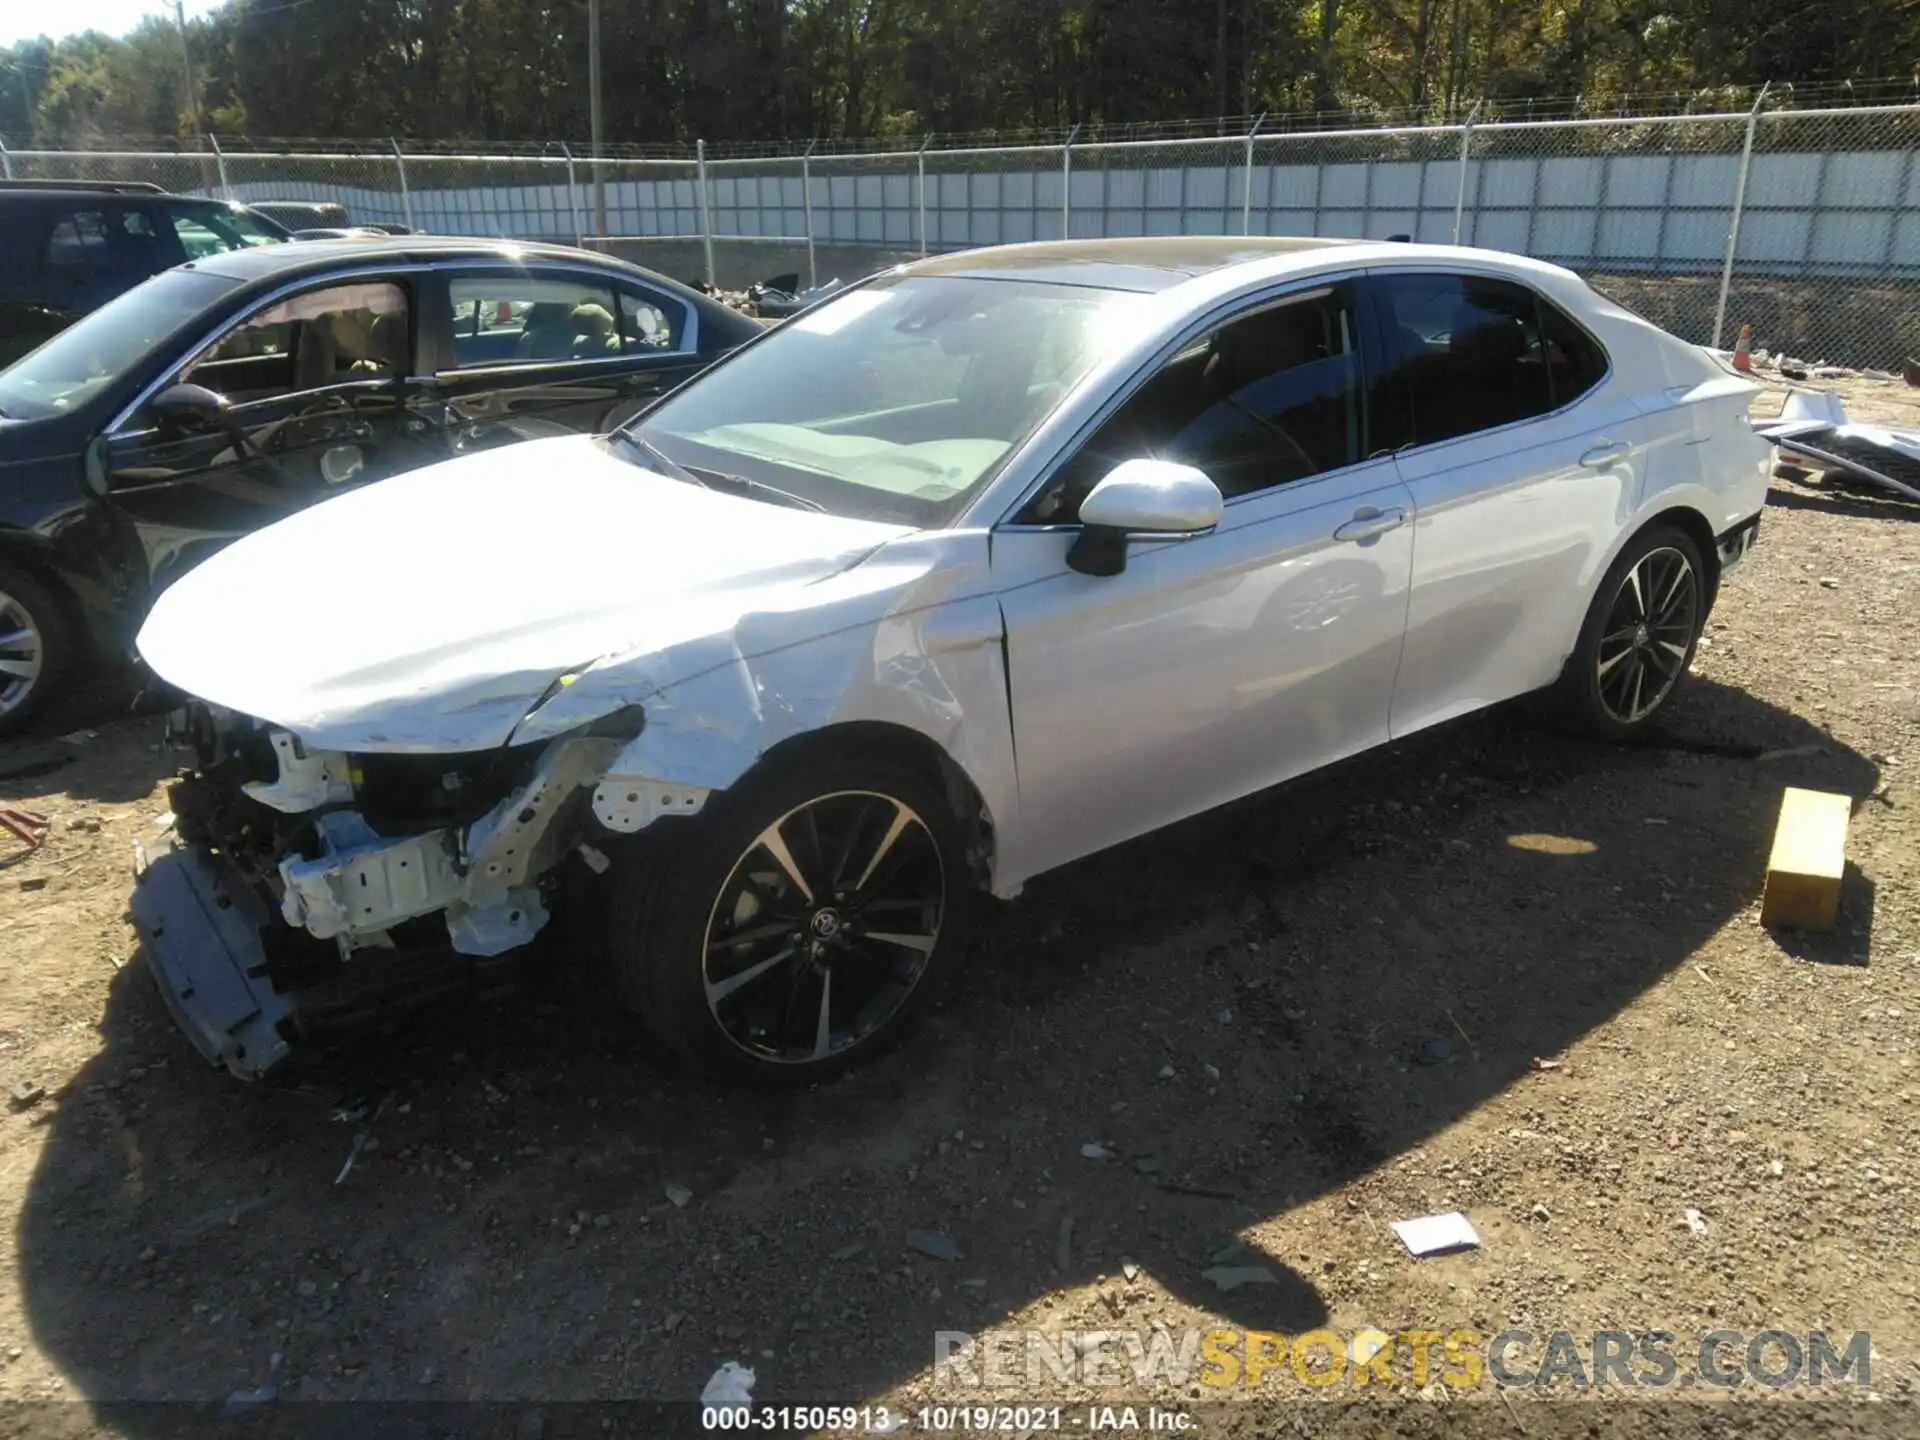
[{"x": 202, "y": 929}]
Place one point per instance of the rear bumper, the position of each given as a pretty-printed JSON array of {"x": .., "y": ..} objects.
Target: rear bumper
[
  {"x": 1734, "y": 544},
  {"x": 202, "y": 930}
]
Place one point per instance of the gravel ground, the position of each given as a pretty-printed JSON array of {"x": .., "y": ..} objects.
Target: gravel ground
[{"x": 1284, "y": 1025}]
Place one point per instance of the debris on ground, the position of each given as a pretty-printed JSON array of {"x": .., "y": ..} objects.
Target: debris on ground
[
  {"x": 29, "y": 826},
  {"x": 1696, "y": 1223},
  {"x": 1812, "y": 430},
  {"x": 1434, "y": 1051},
  {"x": 935, "y": 1245},
  {"x": 1063, "y": 1245},
  {"x": 242, "y": 1402},
  {"x": 1540, "y": 1064},
  {"x": 1808, "y": 862},
  {"x": 782, "y": 297},
  {"x": 1789, "y": 752},
  {"x": 730, "y": 1387},
  {"x": 679, "y": 1195},
  {"x": 1095, "y": 1152},
  {"x": 1437, "y": 1234},
  {"x": 1235, "y": 1277},
  {"x": 26, "y": 1095},
  {"x": 360, "y": 1140}
]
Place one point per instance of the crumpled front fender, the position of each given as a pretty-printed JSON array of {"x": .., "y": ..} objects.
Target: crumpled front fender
[{"x": 913, "y": 638}]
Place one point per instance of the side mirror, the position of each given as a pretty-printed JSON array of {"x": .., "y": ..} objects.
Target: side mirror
[
  {"x": 1142, "y": 500},
  {"x": 192, "y": 410}
]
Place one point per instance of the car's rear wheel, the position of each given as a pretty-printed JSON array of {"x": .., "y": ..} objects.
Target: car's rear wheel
[
  {"x": 797, "y": 926},
  {"x": 1638, "y": 639},
  {"x": 33, "y": 647}
]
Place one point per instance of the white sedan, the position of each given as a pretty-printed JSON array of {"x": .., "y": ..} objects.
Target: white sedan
[{"x": 990, "y": 562}]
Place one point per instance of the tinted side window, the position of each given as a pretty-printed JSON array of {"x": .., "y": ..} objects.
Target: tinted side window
[
  {"x": 651, "y": 322},
  {"x": 503, "y": 319},
  {"x": 204, "y": 230},
  {"x": 1262, "y": 400},
  {"x": 1575, "y": 361},
  {"x": 1467, "y": 349},
  {"x": 79, "y": 241}
]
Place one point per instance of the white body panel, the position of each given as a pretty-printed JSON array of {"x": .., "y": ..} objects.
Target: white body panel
[{"x": 1209, "y": 668}]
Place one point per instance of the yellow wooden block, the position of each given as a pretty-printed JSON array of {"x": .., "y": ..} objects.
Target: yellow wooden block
[{"x": 1809, "y": 860}]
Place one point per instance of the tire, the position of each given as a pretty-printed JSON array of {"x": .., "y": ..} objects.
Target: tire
[
  {"x": 718, "y": 914},
  {"x": 35, "y": 632},
  {"x": 1620, "y": 641}
]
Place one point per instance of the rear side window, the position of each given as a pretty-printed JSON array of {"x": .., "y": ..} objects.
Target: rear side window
[
  {"x": 504, "y": 319},
  {"x": 79, "y": 240},
  {"x": 1468, "y": 352},
  {"x": 1575, "y": 361},
  {"x": 651, "y": 322},
  {"x": 94, "y": 254}
]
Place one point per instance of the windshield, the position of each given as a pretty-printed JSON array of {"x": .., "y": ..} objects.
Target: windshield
[
  {"x": 83, "y": 359},
  {"x": 896, "y": 401}
]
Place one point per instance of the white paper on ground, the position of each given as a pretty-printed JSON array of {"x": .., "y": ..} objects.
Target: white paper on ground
[{"x": 1433, "y": 1234}]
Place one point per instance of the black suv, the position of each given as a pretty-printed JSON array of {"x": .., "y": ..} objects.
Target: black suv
[{"x": 69, "y": 246}]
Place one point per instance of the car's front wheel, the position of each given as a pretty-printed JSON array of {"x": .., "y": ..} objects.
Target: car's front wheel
[
  {"x": 1639, "y": 637},
  {"x": 796, "y": 926},
  {"x": 33, "y": 647}
]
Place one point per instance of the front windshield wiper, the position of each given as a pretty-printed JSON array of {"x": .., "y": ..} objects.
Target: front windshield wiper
[
  {"x": 747, "y": 485},
  {"x": 719, "y": 480},
  {"x": 654, "y": 455}
]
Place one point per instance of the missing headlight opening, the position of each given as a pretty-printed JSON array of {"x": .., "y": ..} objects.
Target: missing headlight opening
[{"x": 366, "y": 855}]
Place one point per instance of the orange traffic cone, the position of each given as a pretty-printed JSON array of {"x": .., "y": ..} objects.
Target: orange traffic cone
[{"x": 1742, "y": 360}]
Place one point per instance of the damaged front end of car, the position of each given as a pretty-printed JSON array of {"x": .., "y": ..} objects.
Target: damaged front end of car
[{"x": 304, "y": 892}]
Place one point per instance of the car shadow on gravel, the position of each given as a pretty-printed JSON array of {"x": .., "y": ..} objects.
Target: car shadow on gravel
[
  {"x": 80, "y": 745},
  {"x": 1859, "y": 499},
  {"x": 1243, "y": 1013}
]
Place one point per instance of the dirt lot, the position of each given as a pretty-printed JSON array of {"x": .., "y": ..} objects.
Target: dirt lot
[{"x": 1287, "y": 1024}]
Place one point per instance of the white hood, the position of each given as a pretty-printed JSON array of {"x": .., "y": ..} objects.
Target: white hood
[{"x": 429, "y": 611}]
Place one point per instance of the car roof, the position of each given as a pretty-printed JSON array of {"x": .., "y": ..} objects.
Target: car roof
[
  {"x": 262, "y": 262},
  {"x": 1147, "y": 263},
  {"x": 262, "y": 266},
  {"x": 265, "y": 264}
]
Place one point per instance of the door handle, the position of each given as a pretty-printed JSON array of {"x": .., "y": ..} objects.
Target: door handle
[
  {"x": 1603, "y": 452},
  {"x": 1368, "y": 522}
]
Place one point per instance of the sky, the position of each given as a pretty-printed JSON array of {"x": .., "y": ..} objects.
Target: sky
[{"x": 24, "y": 19}]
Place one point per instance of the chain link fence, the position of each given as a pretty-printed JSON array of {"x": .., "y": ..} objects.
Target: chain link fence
[{"x": 1801, "y": 224}]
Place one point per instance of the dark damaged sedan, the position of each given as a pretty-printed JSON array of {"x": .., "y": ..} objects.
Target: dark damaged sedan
[{"x": 224, "y": 394}]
